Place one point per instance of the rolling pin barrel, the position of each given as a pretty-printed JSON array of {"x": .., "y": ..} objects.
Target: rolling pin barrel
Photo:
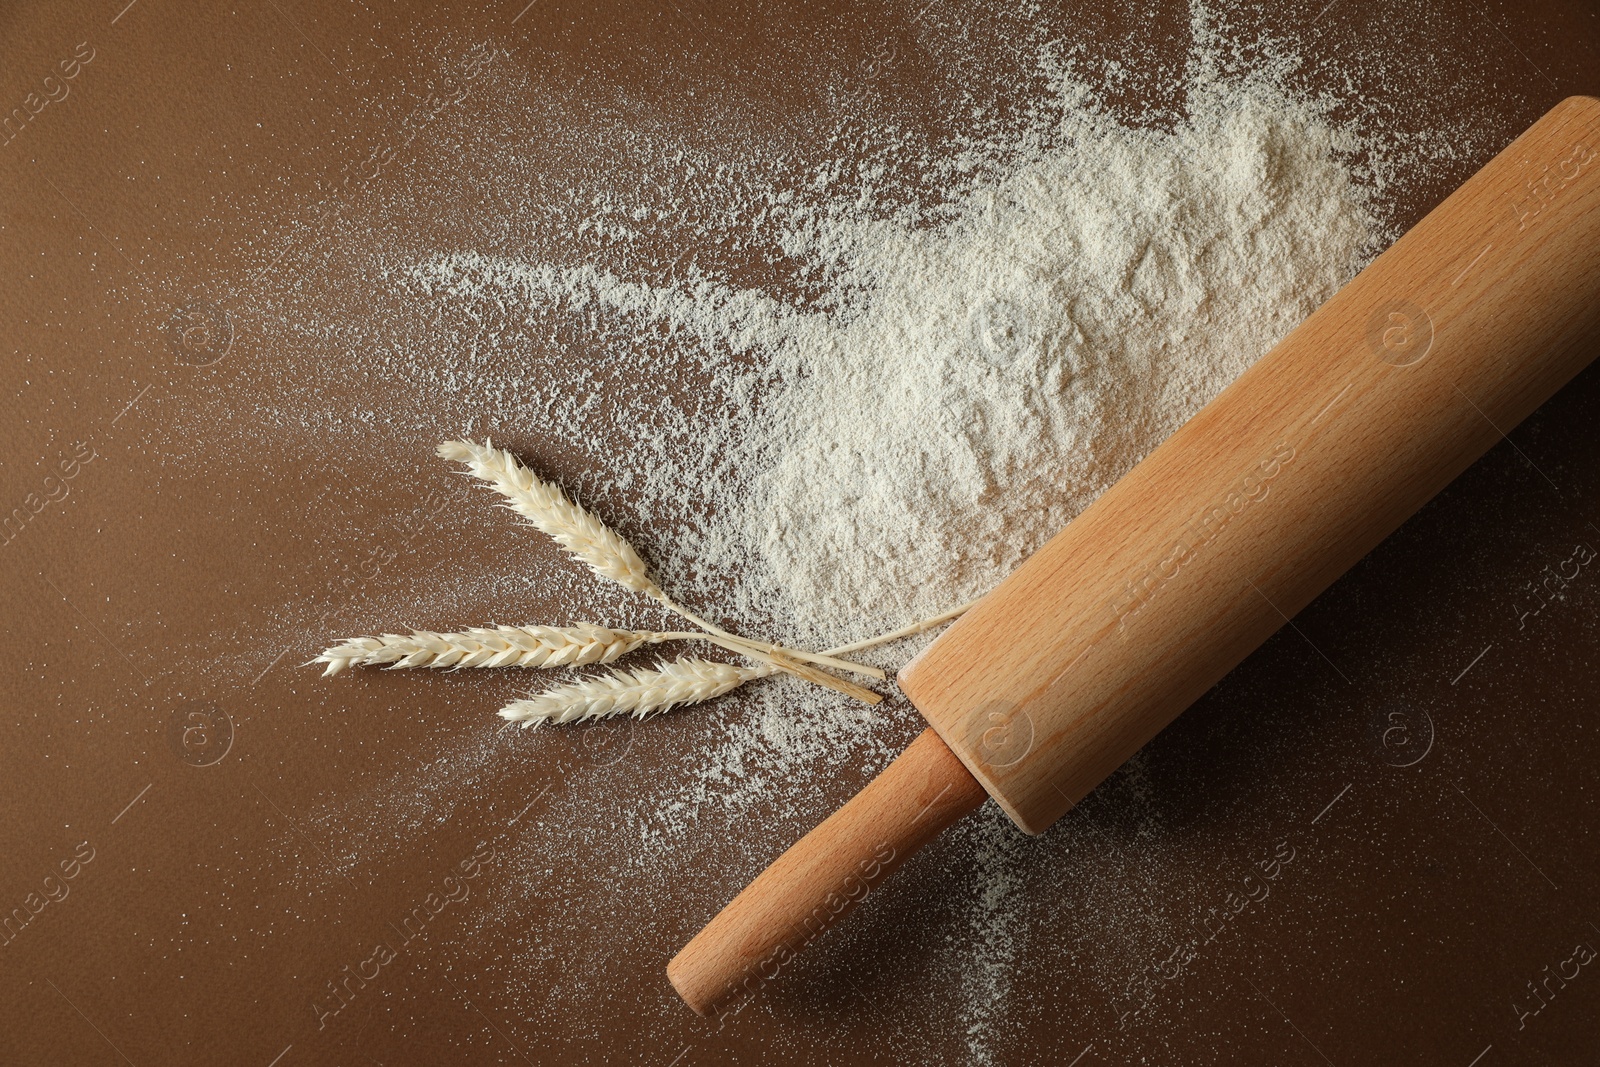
[{"x": 1254, "y": 506}]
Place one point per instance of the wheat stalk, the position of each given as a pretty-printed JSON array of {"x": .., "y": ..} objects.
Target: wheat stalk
[
  {"x": 639, "y": 692},
  {"x": 502, "y": 646},
  {"x": 521, "y": 646},
  {"x": 909, "y": 630},
  {"x": 608, "y": 555}
]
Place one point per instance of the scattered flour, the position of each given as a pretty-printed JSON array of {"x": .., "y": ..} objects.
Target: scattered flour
[
  {"x": 826, "y": 389},
  {"x": 966, "y": 386},
  {"x": 999, "y": 931},
  {"x": 953, "y": 381}
]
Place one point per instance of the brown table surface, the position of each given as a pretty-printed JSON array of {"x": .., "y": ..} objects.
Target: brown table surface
[{"x": 200, "y": 838}]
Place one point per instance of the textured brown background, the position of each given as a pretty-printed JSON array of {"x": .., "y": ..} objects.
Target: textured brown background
[{"x": 1453, "y": 739}]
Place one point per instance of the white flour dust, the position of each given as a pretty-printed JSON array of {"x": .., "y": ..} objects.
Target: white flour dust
[
  {"x": 826, "y": 388},
  {"x": 968, "y": 385}
]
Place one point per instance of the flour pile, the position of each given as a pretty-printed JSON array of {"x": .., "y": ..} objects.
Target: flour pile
[{"x": 965, "y": 383}]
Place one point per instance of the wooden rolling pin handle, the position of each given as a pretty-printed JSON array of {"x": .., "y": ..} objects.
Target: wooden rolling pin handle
[{"x": 824, "y": 875}]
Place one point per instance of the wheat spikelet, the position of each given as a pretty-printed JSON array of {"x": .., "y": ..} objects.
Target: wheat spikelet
[
  {"x": 639, "y": 692},
  {"x": 548, "y": 508},
  {"x": 609, "y": 556},
  {"x": 502, "y": 646}
]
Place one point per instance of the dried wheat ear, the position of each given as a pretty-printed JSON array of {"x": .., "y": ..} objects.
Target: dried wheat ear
[
  {"x": 502, "y": 646},
  {"x": 639, "y": 692}
]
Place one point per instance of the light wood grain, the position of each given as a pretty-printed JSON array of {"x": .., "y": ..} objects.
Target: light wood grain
[{"x": 824, "y": 875}]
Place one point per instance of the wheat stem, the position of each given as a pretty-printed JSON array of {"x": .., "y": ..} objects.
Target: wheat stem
[
  {"x": 696, "y": 680},
  {"x": 782, "y": 662},
  {"x": 910, "y": 630},
  {"x": 823, "y": 659}
]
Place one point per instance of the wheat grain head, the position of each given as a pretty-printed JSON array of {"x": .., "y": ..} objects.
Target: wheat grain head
[
  {"x": 501, "y": 646},
  {"x": 639, "y": 692},
  {"x": 548, "y": 508}
]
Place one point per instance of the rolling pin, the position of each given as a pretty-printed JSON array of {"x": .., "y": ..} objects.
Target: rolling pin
[{"x": 1237, "y": 521}]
